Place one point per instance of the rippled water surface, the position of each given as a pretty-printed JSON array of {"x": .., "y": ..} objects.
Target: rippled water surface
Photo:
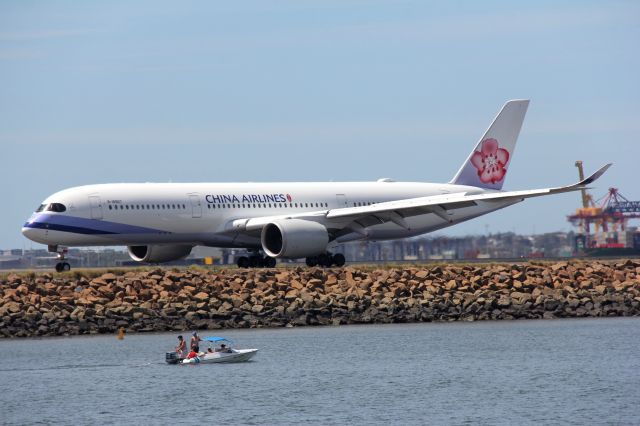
[{"x": 510, "y": 372}]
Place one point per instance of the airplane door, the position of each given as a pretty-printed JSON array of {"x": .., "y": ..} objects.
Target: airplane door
[
  {"x": 196, "y": 205},
  {"x": 96, "y": 207},
  {"x": 342, "y": 201}
]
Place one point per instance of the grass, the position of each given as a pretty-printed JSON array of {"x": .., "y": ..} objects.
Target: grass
[{"x": 91, "y": 273}]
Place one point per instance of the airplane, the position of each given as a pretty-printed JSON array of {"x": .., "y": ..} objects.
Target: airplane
[{"x": 161, "y": 222}]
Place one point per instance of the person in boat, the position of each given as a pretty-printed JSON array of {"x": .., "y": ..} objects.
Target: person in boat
[
  {"x": 195, "y": 342},
  {"x": 192, "y": 354},
  {"x": 209, "y": 350},
  {"x": 182, "y": 346},
  {"x": 223, "y": 348}
]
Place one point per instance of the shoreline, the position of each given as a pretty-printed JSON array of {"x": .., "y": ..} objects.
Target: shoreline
[{"x": 34, "y": 304}]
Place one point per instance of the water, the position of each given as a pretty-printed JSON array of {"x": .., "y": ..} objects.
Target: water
[{"x": 509, "y": 372}]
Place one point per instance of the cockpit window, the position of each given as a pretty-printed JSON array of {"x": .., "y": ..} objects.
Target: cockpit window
[
  {"x": 56, "y": 207},
  {"x": 39, "y": 209}
]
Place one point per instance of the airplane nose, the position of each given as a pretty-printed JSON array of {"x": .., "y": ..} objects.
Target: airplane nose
[{"x": 28, "y": 232}]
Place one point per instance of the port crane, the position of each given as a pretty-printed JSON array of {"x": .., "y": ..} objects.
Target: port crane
[{"x": 608, "y": 218}]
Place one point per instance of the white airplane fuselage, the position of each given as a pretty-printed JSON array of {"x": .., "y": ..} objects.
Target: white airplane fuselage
[{"x": 202, "y": 213}]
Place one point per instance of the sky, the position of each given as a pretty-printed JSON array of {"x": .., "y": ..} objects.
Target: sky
[{"x": 348, "y": 90}]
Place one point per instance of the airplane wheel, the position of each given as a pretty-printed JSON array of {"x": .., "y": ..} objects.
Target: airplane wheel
[
  {"x": 338, "y": 259},
  {"x": 253, "y": 261},
  {"x": 66, "y": 266},
  {"x": 312, "y": 261},
  {"x": 270, "y": 262},
  {"x": 58, "y": 267},
  {"x": 243, "y": 262},
  {"x": 324, "y": 260}
]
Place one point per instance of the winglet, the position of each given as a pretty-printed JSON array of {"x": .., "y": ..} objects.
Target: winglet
[{"x": 595, "y": 176}]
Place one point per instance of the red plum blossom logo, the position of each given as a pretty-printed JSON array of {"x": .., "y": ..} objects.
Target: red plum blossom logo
[{"x": 490, "y": 161}]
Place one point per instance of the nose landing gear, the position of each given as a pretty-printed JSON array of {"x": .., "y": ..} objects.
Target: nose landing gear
[{"x": 61, "y": 266}]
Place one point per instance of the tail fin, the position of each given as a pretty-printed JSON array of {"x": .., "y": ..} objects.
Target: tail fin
[{"x": 487, "y": 164}]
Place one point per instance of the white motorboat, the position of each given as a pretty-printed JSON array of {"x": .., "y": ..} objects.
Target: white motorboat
[{"x": 223, "y": 353}]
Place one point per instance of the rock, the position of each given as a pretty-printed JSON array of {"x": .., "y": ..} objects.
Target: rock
[
  {"x": 422, "y": 274},
  {"x": 551, "y": 304},
  {"x": 180, "y": 299},
  {"x": 295, "y": 284},
  {"x": 201, "y": 296},
  {"x": 601, "y": 289},
  {"x": 504, "y": 302},
  {"x": 109, "y": 277},
  {"x": 349, "y": 278}
]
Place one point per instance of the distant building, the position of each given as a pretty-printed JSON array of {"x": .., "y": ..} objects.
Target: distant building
[{"x": 495, "y": 246}]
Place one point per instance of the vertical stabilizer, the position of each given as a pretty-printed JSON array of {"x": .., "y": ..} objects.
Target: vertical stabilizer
[{"x": 487, "y": 165}]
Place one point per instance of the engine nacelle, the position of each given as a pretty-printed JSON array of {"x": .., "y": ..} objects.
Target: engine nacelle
[
  {"x": 158, "y": 254},
  {"x": 294, "y": 238}
]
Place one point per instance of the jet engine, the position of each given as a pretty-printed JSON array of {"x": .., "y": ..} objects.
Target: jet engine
[
  {"x": 294, "y": 238},
  {"x": 158, "y": 253}
]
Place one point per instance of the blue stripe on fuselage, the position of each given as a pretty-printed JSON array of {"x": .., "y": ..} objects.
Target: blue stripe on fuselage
[
  {"x": 80, "y": 225},
  {"x": 65, "y": 228}
]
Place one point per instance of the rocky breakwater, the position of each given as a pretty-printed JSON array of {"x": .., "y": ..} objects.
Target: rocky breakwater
[{"x": 166, "y": 299}]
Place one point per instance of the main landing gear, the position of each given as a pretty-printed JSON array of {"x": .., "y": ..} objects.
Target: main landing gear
[
  {"x": 327, "y": 260},
  {"x": 256, "y": 260},
  {"x": 61, "y": 266}
]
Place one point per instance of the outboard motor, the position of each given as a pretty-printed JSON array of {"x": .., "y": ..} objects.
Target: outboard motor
[{"x": 171, "y": 357}]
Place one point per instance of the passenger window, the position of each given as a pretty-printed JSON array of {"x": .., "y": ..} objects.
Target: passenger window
[{"x": 110, "y": 207}]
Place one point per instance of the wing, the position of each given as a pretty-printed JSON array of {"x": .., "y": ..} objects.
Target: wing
[
  {"x": 356, "y": 218},
  {"x": 440, "y": 205}
]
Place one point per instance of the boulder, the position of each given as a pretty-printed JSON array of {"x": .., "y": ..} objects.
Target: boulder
[{"x": 201, "y": 296}]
